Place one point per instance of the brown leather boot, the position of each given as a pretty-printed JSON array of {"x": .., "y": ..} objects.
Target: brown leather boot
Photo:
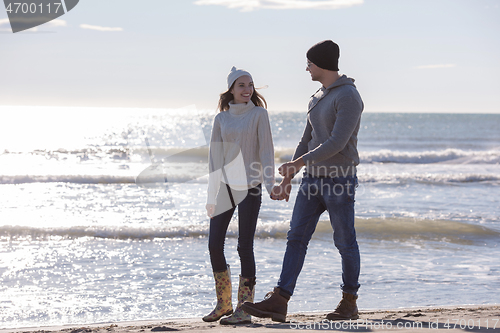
[
  {"x": 273, "y": 306},
  {"x": 347, "y": 308}
]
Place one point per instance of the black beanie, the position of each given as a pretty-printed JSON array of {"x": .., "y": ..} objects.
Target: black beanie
[{"x": 325, "y": 55}]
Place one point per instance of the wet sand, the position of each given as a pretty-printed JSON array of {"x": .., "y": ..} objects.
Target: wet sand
[{"x": 485, "y": 318}]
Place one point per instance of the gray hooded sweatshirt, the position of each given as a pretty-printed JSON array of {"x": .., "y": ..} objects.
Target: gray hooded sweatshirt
[{"x": 329, "y": 143}]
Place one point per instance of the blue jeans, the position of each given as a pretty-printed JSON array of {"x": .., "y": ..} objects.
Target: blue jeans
[
  {"x": 335, "y": 195},
  {"x": 248, "y": 212}
]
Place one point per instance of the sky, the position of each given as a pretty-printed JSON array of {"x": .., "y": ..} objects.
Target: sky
[{"x": 405, "y": 55}]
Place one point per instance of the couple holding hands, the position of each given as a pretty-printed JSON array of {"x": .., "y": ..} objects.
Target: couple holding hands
[{"x": 242, "y": 159}]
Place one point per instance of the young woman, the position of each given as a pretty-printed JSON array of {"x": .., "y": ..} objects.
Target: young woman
[{"x": 241, "y": 159}]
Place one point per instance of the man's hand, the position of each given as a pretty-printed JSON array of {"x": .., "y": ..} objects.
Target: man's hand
[
  {"x": 289, "y": 169},
  {"x": 282, "y": 191}
]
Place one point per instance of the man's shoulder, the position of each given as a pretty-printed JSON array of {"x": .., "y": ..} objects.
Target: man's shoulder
[
  {"x": 339, "y": 97},
  {"x": 345, "y": 89},
  {"x": 344, "y": 92}
]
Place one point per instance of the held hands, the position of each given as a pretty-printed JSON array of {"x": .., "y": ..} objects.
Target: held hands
[
  {"x": 287, "y": 170},
  {"x": 282, "y": 191}
]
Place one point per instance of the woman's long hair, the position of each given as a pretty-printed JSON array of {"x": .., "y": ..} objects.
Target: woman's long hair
[{"x": 227, "y": 97}]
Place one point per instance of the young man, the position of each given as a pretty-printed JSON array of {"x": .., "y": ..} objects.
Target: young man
[{"x": 328, "y": 150}]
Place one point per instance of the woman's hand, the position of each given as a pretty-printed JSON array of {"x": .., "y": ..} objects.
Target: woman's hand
[
  {"x": 282, "y": 191},
  {"x": 210, "y": 210}
]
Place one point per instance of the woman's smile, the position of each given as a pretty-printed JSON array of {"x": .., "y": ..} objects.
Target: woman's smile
[{"x": 243, "y": 89}]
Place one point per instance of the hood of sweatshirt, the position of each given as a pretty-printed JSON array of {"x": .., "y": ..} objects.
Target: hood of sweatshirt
[
  {"x": 341, "y": 81},
  {"x": 322, "y": 92}
]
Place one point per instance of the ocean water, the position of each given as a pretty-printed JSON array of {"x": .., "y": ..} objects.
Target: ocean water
[{"x": 91, "y": 231}]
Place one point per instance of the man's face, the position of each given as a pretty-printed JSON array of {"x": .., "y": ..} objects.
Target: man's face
[{"x": 314, "y": 70}]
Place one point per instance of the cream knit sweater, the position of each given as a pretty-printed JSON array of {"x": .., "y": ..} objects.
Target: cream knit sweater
[{"x": 242, "y": 145}]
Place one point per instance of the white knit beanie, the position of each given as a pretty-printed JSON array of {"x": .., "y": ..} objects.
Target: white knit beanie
[{"x": 234, "y": 74}]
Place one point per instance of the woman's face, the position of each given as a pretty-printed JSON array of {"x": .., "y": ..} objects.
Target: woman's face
[{"x": 242, "y": 89}]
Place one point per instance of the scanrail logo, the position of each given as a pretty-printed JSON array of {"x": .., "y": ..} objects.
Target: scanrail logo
[{"x": 25, "y": 15}]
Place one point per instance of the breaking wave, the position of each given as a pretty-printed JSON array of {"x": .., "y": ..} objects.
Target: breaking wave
[
  {"x": 448, "y": 156},
  {"x": 389, "y": 229}
]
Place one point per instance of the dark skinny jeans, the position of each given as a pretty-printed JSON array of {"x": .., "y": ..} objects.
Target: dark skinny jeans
[{"x": 248, "y": 211}]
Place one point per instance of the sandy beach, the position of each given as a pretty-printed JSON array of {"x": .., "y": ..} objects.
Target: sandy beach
[{"x": 485, "y": 318}]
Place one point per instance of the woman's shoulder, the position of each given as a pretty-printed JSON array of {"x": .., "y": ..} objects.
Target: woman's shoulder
[
  {"x": 259, "y": 110},
  {"x": 220, "y": 115}
]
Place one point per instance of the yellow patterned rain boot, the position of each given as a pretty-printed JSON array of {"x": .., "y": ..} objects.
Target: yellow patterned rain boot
[
  {"x": 246, "y": 292},
  {"x": 223, "y": 290}
]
